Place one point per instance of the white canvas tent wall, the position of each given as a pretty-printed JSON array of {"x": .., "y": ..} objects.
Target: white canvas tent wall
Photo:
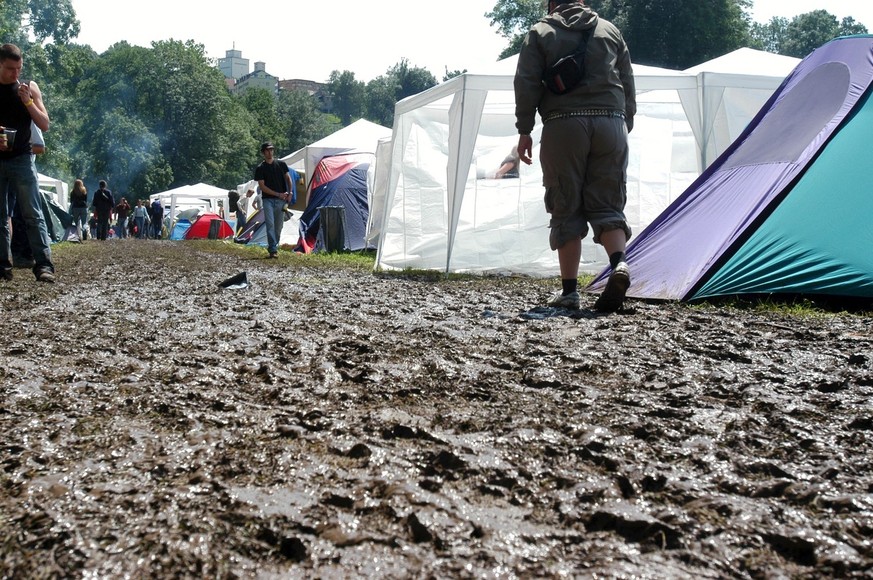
[
  {"x": 56, "y": 188},
  {"x": 361, "y": 136},
  {"x": 731, "y": 90},
  {"x": 438, "y": 215}
]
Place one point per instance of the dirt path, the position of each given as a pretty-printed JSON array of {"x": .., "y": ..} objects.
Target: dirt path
[{"x": 335, "y": 423}]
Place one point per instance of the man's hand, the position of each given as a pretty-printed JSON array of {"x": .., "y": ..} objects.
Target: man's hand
[{"x": 525, "y": 148}]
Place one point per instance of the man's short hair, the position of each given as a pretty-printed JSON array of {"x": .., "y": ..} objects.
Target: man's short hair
[
  {"x": 10, "y": 51},
  {"x": 102, "y": 183}
]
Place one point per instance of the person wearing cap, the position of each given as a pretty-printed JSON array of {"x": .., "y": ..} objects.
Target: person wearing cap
[
  {"x": 584, "y": 146},
  {"x": 21, "y": 105},
  {"x": 274, "y": 182}
]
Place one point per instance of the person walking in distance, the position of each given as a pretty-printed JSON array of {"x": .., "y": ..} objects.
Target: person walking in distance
[
  {"x": 583, "y": 148},
  {"x": 275, "y": 185},
  {"x": 157, "y": 217},
  {"x": 79, "y": 208},
  {"x": 103, "y": 203},
  {"x": 20, "y": 105}
]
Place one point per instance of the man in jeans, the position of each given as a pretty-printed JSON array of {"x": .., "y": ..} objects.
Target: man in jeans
[
  {"x": 275, "y": 184},
  {"x": 21, "y": 104}
]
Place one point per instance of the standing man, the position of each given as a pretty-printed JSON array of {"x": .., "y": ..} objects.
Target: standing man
[
  {"x": 583, "y": 148},
  {"x": 275, "y": 183},
  {"x": 103, "y": 203},
  {"x": 157, "y": 217},
  {"x": 20, "y": 105}
]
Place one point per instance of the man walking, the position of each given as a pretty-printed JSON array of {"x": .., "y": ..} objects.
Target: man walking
[
  {"x": 20, "y": 105},
  {"x": 275, "y": 184},
  {"x": 583, "y": 149},
  {"x": 103, "y": 203}
]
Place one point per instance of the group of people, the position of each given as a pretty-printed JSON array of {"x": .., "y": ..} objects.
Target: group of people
[{"x": 144, "y": 220}]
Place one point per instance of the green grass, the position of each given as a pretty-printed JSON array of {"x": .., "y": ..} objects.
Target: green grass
[{"x": 793, "y": 306}]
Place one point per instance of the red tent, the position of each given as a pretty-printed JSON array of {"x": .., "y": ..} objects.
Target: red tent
[{"x": 199, "y": 229}]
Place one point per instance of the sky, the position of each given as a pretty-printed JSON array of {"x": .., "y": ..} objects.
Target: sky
[{"x": 308, "y": 39}]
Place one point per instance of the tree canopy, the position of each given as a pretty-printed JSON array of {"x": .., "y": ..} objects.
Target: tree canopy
[{"x": 679, "y": 34}]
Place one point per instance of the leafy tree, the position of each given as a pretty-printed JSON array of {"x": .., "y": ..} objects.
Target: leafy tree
[
  {"x": 769, "y": 36},
  {"x": 399, "y": 82},
  {"x": 450, "y": 74},
  {"x": 806, "y": 32},
  {"x": 347, "y": 95},
  {"x": 513, "y": 19},
  {"x": 302, "y": 122},
  {"x": 19, "y": 19},
  {"x": 170, "y": 93},
  {"x": 262, "y": 106},
  {"x": 682, "y": 33}
]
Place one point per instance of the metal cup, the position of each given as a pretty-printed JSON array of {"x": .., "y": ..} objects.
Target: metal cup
[{"x": 10, "y": 137}]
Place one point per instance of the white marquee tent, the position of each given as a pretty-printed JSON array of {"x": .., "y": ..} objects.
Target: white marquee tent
[
  {"x": 56, "y": 188},
  {"x": 437, "y": 214},
  {"x": 200, "y": 196}
]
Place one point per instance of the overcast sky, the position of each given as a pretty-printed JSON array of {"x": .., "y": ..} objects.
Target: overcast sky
[{"x": 308, "y": 39}]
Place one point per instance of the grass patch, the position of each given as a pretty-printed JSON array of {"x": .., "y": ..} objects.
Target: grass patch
[{"x": 796, "y": 306}]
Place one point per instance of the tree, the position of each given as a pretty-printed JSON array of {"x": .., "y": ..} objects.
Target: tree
[
  {"x": 19, "y": 19},
  {"x": 808, "y": 31},
  {"x": 169, "y": 95},
  {"x": 513, "y": 19},
  {"x": 769, "y": 36},
  {"x": 302, "y": 122},
  {"x": 399, "y": 82},
  {"x": 347, "y": 96},
  {"x": 679, "y": 34}
]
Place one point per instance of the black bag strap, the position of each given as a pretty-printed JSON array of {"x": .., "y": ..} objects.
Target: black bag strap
[{"x": 583, "y": 44}]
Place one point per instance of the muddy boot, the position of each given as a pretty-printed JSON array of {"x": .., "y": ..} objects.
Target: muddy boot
[{"x": 612, "y": 297}]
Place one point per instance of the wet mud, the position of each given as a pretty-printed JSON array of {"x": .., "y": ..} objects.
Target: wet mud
[{"x": 332, "y": 422}]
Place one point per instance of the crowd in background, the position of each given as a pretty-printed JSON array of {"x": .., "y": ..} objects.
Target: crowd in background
[{"x": 108, "y": 218}]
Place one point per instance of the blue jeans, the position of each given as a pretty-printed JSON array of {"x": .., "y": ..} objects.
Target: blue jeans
[
  {"x": 140, "y": 226},
  {"x": 18, "y": 174},
  {"x": 80, "y": 220},
  {"x": 274, "y": 217},
  {"x": 121, "y": 224}
]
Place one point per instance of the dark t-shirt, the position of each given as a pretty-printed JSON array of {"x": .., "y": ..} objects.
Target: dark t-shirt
[
  {"x": 273, "y": 175},
  {"x": 14, "y": 115}
]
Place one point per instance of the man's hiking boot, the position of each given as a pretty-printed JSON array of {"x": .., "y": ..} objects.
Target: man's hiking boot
[
  {"x": 570, "y": 301},
  {"x": 612, "y": 297},
  {"x": 45, "y": 274}
]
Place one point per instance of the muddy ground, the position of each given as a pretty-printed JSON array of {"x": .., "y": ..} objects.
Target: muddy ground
[{"x": 331, "y": 422}]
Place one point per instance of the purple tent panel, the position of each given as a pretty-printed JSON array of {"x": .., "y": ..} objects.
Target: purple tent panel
[{"x": 696, "y": 233}]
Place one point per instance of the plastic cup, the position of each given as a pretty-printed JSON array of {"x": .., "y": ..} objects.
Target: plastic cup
[{"x": 10, "y": 137}]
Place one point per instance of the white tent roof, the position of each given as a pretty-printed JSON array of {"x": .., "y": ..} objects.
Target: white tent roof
[
  {"x": 56, "y": 188},
  {"x": 732, "y": 89},
  {"x": 439, "y": 215},
  {"x": 200, "y": 196},
  {"x": 362, "y": 136}
]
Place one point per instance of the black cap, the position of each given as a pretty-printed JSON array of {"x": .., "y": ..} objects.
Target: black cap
[{"x": 266, "y": 145}]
